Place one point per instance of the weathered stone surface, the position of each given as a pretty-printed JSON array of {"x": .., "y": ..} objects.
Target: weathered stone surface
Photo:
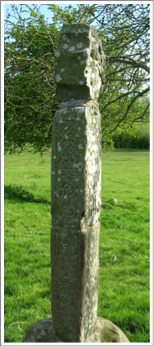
[
  {"x": 76, "y": 192},
  {"x": 103, "y": 331},
  {"x": 74, "y": 287},
  {"x": 79, "y": 63},
  {"x": 76, "y": 176},
  {"x": 76, "y": 183},
  {"x": 41, "y": 331},
  {"x": 76, "y": 169}
]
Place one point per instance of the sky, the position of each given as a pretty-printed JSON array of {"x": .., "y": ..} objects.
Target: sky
[{"x": 43, "y": 9}]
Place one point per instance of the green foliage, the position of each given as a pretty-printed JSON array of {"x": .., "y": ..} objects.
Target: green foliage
[
  {"x": 107, "y": 142},
  {"x": 123, "y": 281},
  {"x": 126, "y": 76},
  {"x": 132, "y": 137},
  {"x": 30, "y": 43},
  {"x": 29, "y": 83},
  {"x": 71, "y": 14}
]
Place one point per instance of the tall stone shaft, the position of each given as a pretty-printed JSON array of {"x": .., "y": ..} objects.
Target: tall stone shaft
[
  {"x": 76, "y": 183},
  {"x": 76, "y": 192}
]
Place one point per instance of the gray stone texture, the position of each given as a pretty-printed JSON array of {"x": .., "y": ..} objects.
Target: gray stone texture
[
  {"x": 103, "y": 331},
  {"x": 76, "y": 195},
  {"x": 79, "y": 63},
  {"x": 76, "y": 183}
]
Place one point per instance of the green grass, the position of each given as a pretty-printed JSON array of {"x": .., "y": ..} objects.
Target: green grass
[{"x": 123, "y": 283}]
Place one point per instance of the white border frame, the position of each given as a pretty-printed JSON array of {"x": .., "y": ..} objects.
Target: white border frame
[{"x": 151, "y": 343}]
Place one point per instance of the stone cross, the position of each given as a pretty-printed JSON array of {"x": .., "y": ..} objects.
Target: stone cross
[
  {"x": 76, "y": 183},
  {"x": 76, "y": 191}
]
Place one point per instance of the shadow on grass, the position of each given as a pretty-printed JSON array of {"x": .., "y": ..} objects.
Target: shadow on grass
[{"x": 18, "y": 193}]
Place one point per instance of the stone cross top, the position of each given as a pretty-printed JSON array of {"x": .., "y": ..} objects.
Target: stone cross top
[{"x": 76, "y": 191}]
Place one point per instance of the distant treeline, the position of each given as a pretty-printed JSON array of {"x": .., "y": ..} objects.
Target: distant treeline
[{"x": 137, "y": 137}]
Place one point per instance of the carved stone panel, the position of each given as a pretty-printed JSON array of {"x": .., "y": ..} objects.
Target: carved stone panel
[
  {"x": 78, "y": 63},
  {"x": 76, "y": 170},
  {"x": 67, "y": 258}
]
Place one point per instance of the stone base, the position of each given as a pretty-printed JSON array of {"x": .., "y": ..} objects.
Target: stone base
[{"x": 104, "y": 331}]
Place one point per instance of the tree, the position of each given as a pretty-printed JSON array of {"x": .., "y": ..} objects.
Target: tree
[
  {"x": 125, "y": 33},
  {"x": 30, "y": 101}
]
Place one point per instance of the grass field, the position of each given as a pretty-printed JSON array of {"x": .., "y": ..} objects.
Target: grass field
[{"x": 124, "y": 242}]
